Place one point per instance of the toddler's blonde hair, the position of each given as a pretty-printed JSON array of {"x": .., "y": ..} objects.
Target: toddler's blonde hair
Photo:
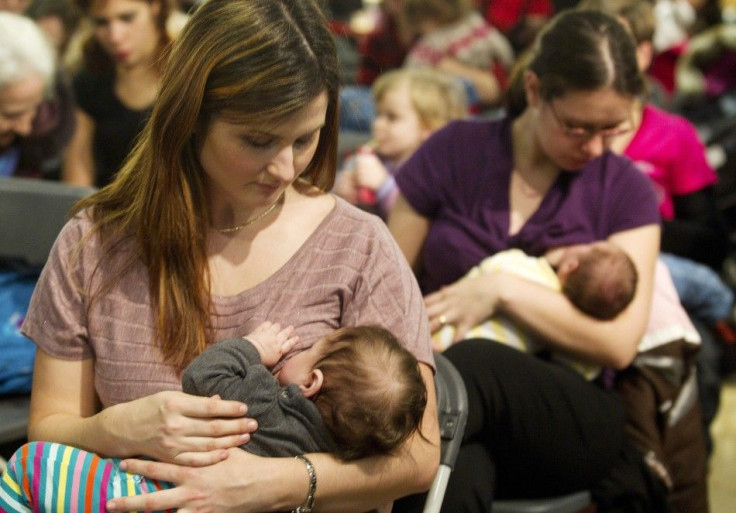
[{"x": 437, "y": 97}]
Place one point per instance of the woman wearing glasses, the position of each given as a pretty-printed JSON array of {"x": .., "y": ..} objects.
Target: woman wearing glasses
[{"x": 540, "y": 179}]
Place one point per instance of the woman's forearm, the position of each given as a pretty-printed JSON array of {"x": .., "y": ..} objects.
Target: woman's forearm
[
  {"x": 611, "y": 343},
  {"x": 549, "y": 314},
  {"x": 249, "y": 483},
  {"x": 94, "y": 434},
  {"x": 65, "y": 410}
]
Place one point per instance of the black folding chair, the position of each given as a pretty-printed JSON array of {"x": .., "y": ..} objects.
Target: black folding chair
[
  {"x": 452, "y": 405},
  {"x": 33, "y": 213}
]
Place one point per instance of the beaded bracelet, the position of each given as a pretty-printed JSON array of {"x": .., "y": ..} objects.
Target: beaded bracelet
[{"x": 309, "y": 502}]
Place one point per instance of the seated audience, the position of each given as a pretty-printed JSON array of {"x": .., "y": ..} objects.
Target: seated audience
[
  {"x": 36, "y": 118},
  {"x": 456, "y": 39},
  {"x": 518, "y": 20}
]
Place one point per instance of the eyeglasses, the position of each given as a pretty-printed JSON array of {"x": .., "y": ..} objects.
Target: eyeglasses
[{"x": 582, "y": 133}]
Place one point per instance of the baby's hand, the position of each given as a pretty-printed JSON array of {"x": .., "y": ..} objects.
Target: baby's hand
[
  {"x": 346, "y": 186},
  {"x": 272, "y": 342},
  {"x": 369, "y": 170}
]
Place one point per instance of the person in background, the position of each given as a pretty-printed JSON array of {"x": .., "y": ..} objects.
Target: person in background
[
  {"x": 666, "y": 148},
  {"x": 518, "y": 20},
  {"x": 220, "y": 220},
  {"x": 14, "y": 6},
  {"x": 115, "y": 86},
  {"x": 36, "y": 120},
  {"x": 356, "y": 393},
  {"x": 411, "y": 104},
  {"x": 540, "y": 178},
  {"x": 455, "y": 38},
  {"x": 383, "y": 49},
  {"x": 59, "y": 19}
]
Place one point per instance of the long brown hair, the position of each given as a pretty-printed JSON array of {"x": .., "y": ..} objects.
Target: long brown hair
[{"x": 249, "y": 61}]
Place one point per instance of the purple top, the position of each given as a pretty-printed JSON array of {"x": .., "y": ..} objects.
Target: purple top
[{"x": 459, "y": 179}]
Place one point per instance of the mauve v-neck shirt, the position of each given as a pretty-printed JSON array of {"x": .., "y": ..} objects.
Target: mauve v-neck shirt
[
  {"x": 459, "y": 179},
  {"x": 348, "y": 272}
]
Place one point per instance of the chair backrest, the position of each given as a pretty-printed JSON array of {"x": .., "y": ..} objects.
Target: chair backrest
[
  {"x": 452, "y": 407},
  {"x": 33, "y": 212}
]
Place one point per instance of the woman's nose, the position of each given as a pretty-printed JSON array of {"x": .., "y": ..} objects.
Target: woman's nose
[
  {"x": 282, "y": 165},
  {"x": 115, "y": 32},
  {"x": 595, "y": 146}
]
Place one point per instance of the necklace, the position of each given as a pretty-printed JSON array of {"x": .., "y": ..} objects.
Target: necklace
[{"x": 251, "y": 221}]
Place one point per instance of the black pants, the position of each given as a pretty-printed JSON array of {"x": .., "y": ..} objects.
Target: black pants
[{"x": 534, "y": 429}]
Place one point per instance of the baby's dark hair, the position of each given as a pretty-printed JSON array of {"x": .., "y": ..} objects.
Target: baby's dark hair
[
  {"x": 373, "y": 396},
  {"x": 604, "y": 283}
]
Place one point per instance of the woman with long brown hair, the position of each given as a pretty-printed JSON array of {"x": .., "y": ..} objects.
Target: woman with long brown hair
[{"x": 218, "y": 221}]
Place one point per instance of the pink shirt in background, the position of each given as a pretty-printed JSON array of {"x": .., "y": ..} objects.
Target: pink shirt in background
[{"x": 668, "y": 150}]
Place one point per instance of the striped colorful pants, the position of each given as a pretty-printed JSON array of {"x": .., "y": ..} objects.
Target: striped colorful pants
[{"x": 49, "y": 477}]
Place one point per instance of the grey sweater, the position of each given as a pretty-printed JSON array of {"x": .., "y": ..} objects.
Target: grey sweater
[{"x": 288, "y": 423}]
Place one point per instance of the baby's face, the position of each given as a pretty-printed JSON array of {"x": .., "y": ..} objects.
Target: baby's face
[{"x": 397, "y": 129}]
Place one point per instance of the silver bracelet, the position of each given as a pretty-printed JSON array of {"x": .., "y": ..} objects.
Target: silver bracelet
[{"x": 309, "y": 503}]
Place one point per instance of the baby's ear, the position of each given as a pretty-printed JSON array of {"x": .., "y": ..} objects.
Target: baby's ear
[
  {"x": 567, "y": 266},
  {"x": 313, "y": 384}
]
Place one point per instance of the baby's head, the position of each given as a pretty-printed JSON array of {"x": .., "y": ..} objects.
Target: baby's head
[
  {"x": 411, "y": 104},
  {"x": 599, "y": 278},
  {"x": 372, "y": 396}
]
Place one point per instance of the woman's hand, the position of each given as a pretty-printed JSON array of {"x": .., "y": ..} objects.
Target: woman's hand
[
  {"x": 346, "y": 186},
  {"x": 464, "y": 304},
  {"x": 179, "y": 428},
  {"x": 232, "y": 485}
]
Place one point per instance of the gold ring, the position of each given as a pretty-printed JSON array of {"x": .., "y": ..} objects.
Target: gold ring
[{"x": 442, "y": 320}]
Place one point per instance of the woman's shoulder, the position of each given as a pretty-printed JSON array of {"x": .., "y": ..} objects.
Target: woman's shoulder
[
  {"x": 77, "y": 227},
  {"x": 80, "y": 234},
  {"x": 475, "y": 133},
  {"x": 617, "y": 170},
  {"x": 347, "y": 218},
  {"x": 617, "y": 179}
]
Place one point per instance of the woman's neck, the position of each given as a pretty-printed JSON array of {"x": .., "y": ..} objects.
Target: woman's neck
[
  {"x": 136, "y": 86},
  {"x": 531, "y": 162}
]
